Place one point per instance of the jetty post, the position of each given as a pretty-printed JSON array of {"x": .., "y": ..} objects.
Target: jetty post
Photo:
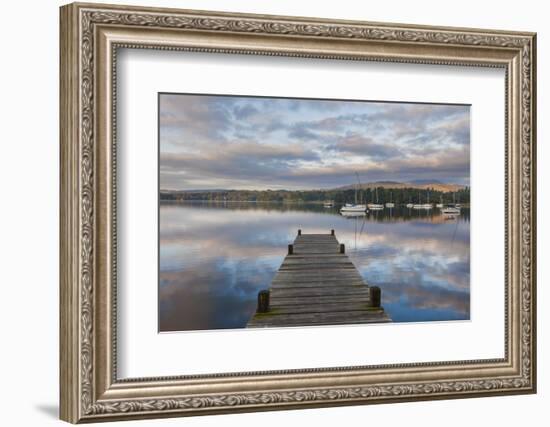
[{"x": 263, "y": 302}]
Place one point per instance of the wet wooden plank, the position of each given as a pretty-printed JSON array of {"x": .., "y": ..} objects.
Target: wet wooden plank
[
  {"x": 319, "y": 291},
  {"x": 333, "y": 307},
  {"x": 289, "y": 278},
  {"x": 314, "y": 284},
  {"x": 297, "y": 260},
  {"x": 313, "y": 319},
  {"x": 322, "y": 299}
]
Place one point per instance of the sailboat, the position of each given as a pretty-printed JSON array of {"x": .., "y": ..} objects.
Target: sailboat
[
  {"x": 458, "y": 205},
  {"x": 423, "y": 205},
  {"x": 440, "y": 204},
  {"x": 354, "y": 207},
  {"x": 451, "y": 209},
  {"x": 375, "y": 206},
  {"x": 390, "y": 204}
]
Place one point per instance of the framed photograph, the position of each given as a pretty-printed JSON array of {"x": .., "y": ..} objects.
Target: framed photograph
[{"x": 266, "y": 212}]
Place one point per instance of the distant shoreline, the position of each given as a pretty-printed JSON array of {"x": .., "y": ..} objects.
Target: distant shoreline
[
  {"x": 381, "y": 195},
  {"x": 397, "y": 205}
]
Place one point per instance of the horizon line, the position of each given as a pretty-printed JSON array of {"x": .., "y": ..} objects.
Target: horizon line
[{"x": 304, "y": 189}]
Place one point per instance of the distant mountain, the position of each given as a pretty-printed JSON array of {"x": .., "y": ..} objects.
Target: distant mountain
[
  {"x": 425, "y": 181},
  {"x": 421, "y": 184}
]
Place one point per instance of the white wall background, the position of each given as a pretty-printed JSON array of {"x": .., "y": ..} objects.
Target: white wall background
[{"x": 29, "y": 170}]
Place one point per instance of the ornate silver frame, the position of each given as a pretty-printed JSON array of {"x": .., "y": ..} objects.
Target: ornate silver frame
[{"x": 90, "y": 36}]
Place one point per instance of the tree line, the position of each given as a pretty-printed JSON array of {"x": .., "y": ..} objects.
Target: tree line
[{"x": 339, "y": 197}]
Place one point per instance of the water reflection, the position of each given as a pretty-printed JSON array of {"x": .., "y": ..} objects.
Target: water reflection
[{"x": 215, "y": 257}]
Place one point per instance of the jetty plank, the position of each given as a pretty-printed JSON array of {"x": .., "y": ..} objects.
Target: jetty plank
[
  {"x": 325, "y": 318},
  {"x": 317, "y": 284},
  {"x": 323, "y": 299}
]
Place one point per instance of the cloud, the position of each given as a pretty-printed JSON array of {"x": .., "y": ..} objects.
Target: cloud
[
  {"x": 188, "y": 121},
  {"x": 360, "y": 144},
  {"x": 245, "y": 111},
  {"x": 237, "y": 160},
  {"x": 247, "y": 142}
]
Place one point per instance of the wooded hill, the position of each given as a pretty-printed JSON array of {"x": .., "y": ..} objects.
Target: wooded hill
[{"x": 338, "y": 196}]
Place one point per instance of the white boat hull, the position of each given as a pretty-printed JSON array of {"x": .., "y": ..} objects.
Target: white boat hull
[
  {"x": 451, "y": 211},
  {"x": 353, "y": 208},
  {"x": 375, "y": 206}
]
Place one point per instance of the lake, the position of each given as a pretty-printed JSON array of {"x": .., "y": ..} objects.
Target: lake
[{"x": 216, "y": 257}]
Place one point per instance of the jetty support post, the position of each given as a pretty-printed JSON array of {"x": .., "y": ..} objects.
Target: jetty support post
[
  {"x": 342, "y": 248},
  {"x": 290, "y": 249},
  {"x": 332, "y": 232},
  {"x": 299, "y": 232},
  {"x": 375, "y": 296},
  {"x": 263, "y": 302}
]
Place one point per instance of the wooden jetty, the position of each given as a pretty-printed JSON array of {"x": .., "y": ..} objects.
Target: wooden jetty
[{"x": 317, "y": 284}]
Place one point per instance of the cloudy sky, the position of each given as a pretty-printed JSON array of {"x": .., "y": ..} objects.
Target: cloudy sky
[{"x": 231, "y": 142}]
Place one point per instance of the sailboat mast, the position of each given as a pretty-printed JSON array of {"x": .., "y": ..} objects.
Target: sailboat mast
[{"x": 360, "y": 194}]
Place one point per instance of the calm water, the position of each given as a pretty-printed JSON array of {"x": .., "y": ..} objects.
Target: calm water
[{"x": 215, "y": 257}]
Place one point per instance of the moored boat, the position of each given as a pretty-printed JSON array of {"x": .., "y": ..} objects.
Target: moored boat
[
  {"x": 375, "y": 206},
  {"x": 421, "y": 205},
  {"x": 451, "y": 210},
  {"x": 354, "y": 207},
  {"x": 390, "y": 204}
]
